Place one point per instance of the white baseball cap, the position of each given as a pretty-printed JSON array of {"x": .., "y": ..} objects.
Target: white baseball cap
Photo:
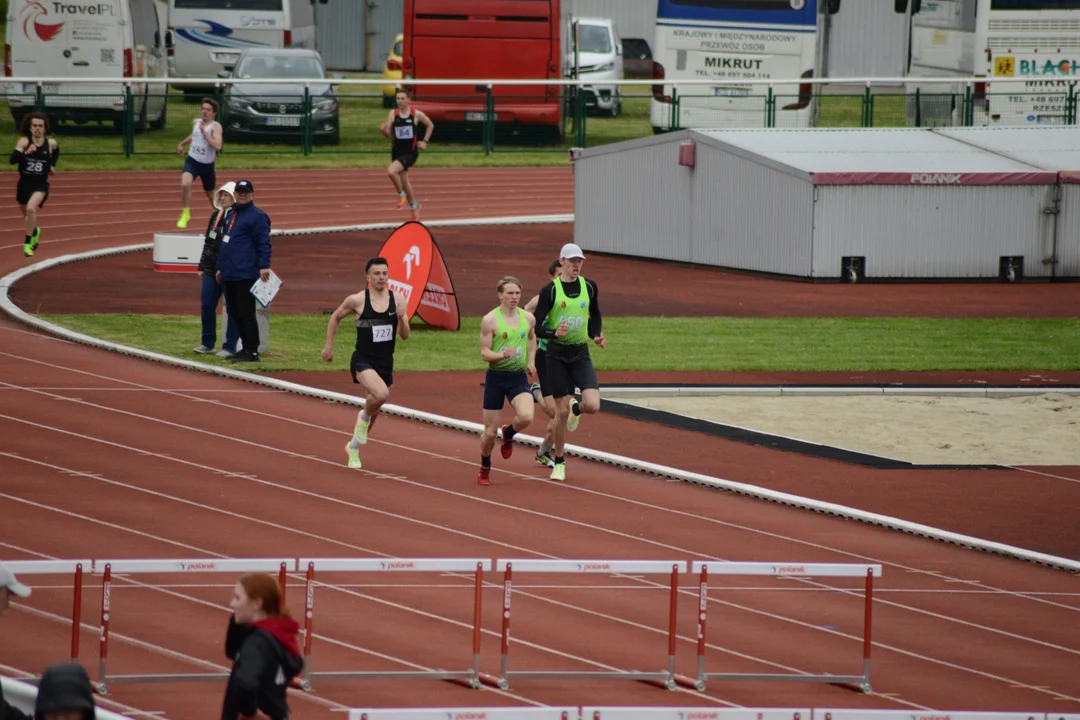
[
  {"x": 570, "y": 250},
  {"x": 7, "y": 580}
]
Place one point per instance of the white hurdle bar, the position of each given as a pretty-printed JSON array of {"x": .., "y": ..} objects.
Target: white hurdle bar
[
  {"x": 794, "y": 570},
  {"x": 145, "y": 567},
  {"x": 75, "y": 568},
  {"x": 666, "y": 679},
  {"x": 466, "y": 713},
  {"x": 471, "y": 678}
]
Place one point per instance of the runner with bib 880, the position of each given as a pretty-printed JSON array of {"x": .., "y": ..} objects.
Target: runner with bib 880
[{"x": 568, "y": 315}]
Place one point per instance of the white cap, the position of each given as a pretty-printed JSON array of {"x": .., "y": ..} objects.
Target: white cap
[
  {"x": 570, "y": 250},
  {"x": 7, "y": 580}
]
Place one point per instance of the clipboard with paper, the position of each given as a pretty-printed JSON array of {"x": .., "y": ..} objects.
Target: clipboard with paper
[{"x": 265, "y": 290}]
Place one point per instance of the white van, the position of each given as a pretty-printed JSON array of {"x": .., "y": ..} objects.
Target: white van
[
  {"x": 205, "y": 37},
  {"x": 91, "y": 39},
  {"x": 599, "y": 59}
]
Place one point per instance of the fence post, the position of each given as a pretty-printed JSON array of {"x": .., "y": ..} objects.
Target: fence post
[
  {"x": 1070, "y": 105},
  {"x": 129, "y": 122},
  {"x": 673, "y": 123},
  {"x": 488, "y": 130},
  {"x": 968, "y": 107},
  {"x": 580, "y": 111},
  {"x": 770, "y": 108},
  {"x": 39, "y": 98},
  {"x": 918, "y": 109},
  {"x": 307, "y": 140},
  {"x": 868, "y": 107}
]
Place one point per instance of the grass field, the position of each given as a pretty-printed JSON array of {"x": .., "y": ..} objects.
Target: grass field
[{"x": 777, "y": 344}]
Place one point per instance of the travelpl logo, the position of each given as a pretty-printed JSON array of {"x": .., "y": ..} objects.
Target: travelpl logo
[
  {"x": 32, "y": 13},
  {"x": 936, "y": 179}
]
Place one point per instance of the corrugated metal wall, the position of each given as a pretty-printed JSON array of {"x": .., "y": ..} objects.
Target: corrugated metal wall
[
  {"x": 1068, "y": 233},
  {"x": 356, "y": 35},
  {"x": 867, "y": 38},
  {"x": 633, "y": 18},
  {"x": 635, "y": 202},
  {"x": 924, "y": 232},
  {"x": 749, "y": 216}
]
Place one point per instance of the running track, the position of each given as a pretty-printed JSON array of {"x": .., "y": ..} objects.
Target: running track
[{"x": 110, "y": 456}]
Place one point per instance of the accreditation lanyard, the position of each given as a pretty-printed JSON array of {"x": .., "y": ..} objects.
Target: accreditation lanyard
[{"x": 227, "y": 231}]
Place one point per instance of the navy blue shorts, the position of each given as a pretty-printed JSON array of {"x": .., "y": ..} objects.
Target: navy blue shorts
[
  {"x": 504, "y": 384},
  {"x": 201, "y": 170}
]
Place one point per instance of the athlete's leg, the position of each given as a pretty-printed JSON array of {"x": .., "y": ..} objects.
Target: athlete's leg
[
  {"x": 406, "y": 185},
  {"x": 590, "y": 401},
  {"x": 523, "y": 411},
  {"x": 377, "y": 395},
  {"x": 491, "y": 429},
  {"x": 186, "y": 179},
  {"x": 394, "y": 170}
]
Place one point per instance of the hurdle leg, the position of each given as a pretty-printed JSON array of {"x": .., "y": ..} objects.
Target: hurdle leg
[
  {"x": 504, "y": 661},
  {"x": 103, "y": 652},
  {"x": 703, "y": 603},
  {"x": 867, "y": 624},
  {"x": 309, "y": 615},
  {"x": 76, "y": 614}
]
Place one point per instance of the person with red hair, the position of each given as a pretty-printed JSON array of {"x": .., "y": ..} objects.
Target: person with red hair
[{"x": 262, "y": 643}]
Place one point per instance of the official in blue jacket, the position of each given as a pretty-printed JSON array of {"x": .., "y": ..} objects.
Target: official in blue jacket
[{"x": 244, "y": 258}]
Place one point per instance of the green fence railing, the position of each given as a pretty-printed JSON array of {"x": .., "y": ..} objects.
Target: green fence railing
[{"x": 347, "y": 122}]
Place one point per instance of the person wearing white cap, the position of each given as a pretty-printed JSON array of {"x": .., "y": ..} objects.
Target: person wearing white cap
[
  {"x": 9, "y": 586},
  {"x": 568, "y": 315}
]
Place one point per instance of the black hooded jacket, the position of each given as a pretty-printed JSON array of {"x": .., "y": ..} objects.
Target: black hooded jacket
[
  {"x": 265, "y": 660},
  {"x": 65, "y": 687}
]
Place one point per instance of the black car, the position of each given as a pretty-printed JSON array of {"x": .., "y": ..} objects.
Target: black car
[{"x": 275, "y": 111}]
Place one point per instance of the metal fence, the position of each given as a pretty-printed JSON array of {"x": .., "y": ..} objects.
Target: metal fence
[{"x": 101, "y": 118}]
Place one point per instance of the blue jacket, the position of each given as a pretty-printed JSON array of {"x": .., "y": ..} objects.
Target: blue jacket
[{"x": 248, "y": 248}]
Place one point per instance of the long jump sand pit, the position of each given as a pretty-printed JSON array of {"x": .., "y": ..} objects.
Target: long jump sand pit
[{"x": 919, "y": 429}]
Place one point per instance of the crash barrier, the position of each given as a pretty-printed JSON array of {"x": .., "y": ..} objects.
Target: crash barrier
[
  {"x": 475, "y": 568},
  {"x": 684, "y": 713}
]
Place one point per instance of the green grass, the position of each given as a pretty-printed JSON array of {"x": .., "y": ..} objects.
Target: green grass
[{"x": 776, "y": 344}]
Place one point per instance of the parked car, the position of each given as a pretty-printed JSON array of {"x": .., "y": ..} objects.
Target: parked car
[
  {"x": 637, "y": 58},
  {"x": 392, "y": 72},
  {"x": 599, "y": 59},
  {"x": 276, "y": 110}
]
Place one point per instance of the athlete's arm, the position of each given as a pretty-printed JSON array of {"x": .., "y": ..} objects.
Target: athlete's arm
[
  {"x": 487, "y": 334},
  {"x": 426, "y": 121},
  {"x": 54, "y": 149},
  {"x": 19, "y": 151},
  {"x": 385, "y": 127},
  {"x": 351, "y": 304},
  {"x": 403, "y": 327},
  {"x": 530, "y": 307},
  {"x": 596, "y": 321},
  {"x": 545, "y": 301},
  {"x": 531, "y": 368},
  {"x": 185, "y": 141},
  {"x": 214, "y": 138}
]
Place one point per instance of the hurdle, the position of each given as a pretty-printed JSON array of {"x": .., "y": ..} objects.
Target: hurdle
[
  {"x": 471, "y": 713},
  {"x": 471, "y": 678},
  {"x": 666, "y": 679},
  {"x": 158, "y": 567},
  {"x": 59, "y": 567},
  {"x": 795, "y": 570},
  {"x": 696, "y": 713}
]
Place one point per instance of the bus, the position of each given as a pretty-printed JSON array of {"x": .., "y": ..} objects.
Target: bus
[
  {"x": 205, "y": 37},
  {"x": 486, "y": 39},
  {"x": 732, "y": 40},
  {"x": 1036, "y": 40}
]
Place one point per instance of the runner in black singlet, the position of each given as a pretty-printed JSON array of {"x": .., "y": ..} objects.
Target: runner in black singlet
[
  {"x": 401, "y": 126},
  {"x": 380, "y": 318},
  {"x": 36, "y": 155}
]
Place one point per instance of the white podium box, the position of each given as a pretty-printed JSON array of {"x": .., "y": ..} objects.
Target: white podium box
[{"x": 177, "y": 252}]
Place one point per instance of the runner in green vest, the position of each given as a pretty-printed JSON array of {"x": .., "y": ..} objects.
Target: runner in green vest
[
  {"x": 541, "y": 389},
  {"x": 508, "y": 346},
  {"x": 568, "y": 316}
]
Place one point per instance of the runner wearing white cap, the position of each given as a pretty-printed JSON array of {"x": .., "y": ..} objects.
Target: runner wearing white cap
[{"x": 568, "y": 315}]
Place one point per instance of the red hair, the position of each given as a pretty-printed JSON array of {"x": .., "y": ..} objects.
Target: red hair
[{"x": 260, "y": 586}]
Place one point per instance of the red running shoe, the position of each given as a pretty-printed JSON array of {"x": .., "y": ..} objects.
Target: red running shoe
[
  {"x": 507, "y": 447},
  {"x": 484, "y": 477}
]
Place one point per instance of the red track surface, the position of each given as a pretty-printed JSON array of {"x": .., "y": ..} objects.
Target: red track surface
[{"x": 109, "y": 456}]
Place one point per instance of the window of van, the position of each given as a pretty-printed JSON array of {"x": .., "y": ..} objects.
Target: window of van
[
  {"x": 594, "y": 38},
  {"x": 251, "y": 5}
]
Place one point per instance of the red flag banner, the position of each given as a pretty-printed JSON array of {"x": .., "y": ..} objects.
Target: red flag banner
[
  {"x": 408, "y": 252},
  {"x": 438, "y": 305}
]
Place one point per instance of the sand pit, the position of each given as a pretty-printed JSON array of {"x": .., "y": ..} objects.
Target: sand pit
[{"x": 923, "y": 429}]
